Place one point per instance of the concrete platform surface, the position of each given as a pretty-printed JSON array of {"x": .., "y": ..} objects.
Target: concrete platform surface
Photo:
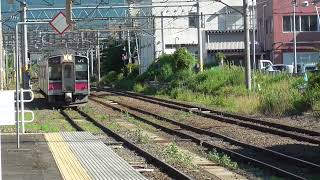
[
  {"x": 33, "y": 161},
  {"x": 67, "y": 155}
]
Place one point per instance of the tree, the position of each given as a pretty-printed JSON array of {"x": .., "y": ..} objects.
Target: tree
[{"x": 112, "y": 56}]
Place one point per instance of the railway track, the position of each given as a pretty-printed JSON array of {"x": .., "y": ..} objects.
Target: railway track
[
  {"x": 207, "y": 139},
  {"x": 299, "y": 134},
  {"x": 166, "y": 168}
]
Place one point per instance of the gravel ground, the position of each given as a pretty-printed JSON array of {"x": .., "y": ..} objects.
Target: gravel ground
[
  {"x": 245, "y": 169},
  {"x": 153, "y": 148},
  {"x": 308, "y": 120},
  {"x": 289, "y": 146}
]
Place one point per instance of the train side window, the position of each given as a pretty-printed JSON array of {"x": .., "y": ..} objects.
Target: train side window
[
  {"x": 55, "y": 72},
  {"x": 81, "y": 72}
]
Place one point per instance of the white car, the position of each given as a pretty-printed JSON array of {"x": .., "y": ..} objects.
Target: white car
[
  {"x": 283, "y": 68},
  {"x": 277, "y": 68}
]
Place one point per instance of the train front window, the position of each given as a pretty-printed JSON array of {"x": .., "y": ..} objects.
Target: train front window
[
  {"x": 55, "y": 72},
  {"x": 81, "y": 72}
]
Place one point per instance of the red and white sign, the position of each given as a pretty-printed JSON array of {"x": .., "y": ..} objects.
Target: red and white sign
[{"x": 59, "y": 23}]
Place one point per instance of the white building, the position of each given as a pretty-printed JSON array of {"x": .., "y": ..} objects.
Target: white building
[{"x": 221, "y": 30}]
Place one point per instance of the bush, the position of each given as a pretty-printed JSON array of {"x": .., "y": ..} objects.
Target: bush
[
  {"x": 110, "y": 77},
  {"x": 183, "y": 60},
  {"x": 167, "y": 66}
]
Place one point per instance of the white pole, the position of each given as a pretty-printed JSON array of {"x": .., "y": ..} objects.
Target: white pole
[
  {"x": 1, "y": 56},
  {"x": 91, "y": 61},
  {"x": 294, "y": 37},
  {"x": 254, "y": 39},
  {"x": 199, "y": 37},
  {"x": 162, "y": 34},
  {"x": 22, "y": 109},
  {"x": 98, "y": 58},
  {"x": 17, "y": 86},
  {"x": 18, "y": 74},
  {"x": 0, "y": 157},
  {"x": 254, "y": 33},
  {"x": 138, "y": 53},
  {"x": 25, "y": 46},
  {"x": 247, "y": 44},
  {"x": 129, "y": 47}
]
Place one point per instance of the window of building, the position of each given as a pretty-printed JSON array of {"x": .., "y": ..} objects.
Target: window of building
[
  {"x": 286, "y": 23},
  {"x": 192, "y": 20},
  {"x": 303, "y": 23},
  {"x": 313, "y": 23}
]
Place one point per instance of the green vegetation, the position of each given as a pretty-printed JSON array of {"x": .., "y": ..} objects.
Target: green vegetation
[
  {"x": 45, "y": 121},
  {"x": 222, "y": 159},
  {"x": 175, "y": 156},
  {"x": 222, "y": 87},
  {"x": 141, "y": 137}
]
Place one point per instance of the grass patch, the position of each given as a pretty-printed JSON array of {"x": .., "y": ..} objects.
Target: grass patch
[
  {"x": 141, "y": 138},
  {"x": 222, "y": 159},
  {"x": 174, "y": 156},
  {"x": 222, "y": 87}
]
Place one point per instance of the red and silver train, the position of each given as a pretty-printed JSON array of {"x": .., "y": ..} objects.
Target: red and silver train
[{"x": 64, "y": 79}]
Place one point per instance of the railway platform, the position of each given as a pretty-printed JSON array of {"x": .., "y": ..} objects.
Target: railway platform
[{"x": 65, "y": 155}]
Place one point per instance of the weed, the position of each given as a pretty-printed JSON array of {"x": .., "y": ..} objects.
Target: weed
[
  {"x": 114, "y": 126},
  {"x": 222, "y": 159},
  {"x": 175, "y": 156},
  {"x": 141, "y": 137}
]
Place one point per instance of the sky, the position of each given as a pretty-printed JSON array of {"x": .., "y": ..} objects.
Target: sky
[{"x": 8, "y": 8}]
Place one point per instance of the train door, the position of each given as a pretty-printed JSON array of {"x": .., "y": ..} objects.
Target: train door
[{"x": 68, "y": 80}]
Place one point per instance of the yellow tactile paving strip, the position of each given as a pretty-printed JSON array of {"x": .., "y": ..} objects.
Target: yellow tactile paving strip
[{"x": 67, "y": 163}]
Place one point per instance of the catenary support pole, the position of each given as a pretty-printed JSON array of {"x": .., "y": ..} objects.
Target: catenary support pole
[
  {"x": 25, "y": 82},
  {"x": 254, "y": 41},
  {"x": 199, "y": 37},
  {"x": 129, "y": 47},
  {"x": 162, "y": 34},
  {"x": 138, "y": 52},
  {"x": 91, "y": 62},
  {"x": 98, "y": 57},
  {"x": 294, "y": 3},
  {"x": 247, "y": 44}
]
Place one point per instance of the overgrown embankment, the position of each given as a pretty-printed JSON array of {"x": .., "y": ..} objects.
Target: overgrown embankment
[{"x": 220, "y": 87}]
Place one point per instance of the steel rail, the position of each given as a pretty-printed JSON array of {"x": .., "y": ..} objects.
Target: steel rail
[
  {"x": 280, "y": 129},
  {"x": 208, "y": 145},
  {"x": 166, "y": 168}
]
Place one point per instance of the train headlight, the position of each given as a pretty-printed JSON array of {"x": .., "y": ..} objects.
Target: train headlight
[{"x": 67, "y": 57}]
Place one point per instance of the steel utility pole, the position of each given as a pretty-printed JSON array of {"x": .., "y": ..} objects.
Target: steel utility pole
[
  {"x": 247, "y": 43},
  {"x": 25, "y": 81},
  {"x": 162, "y": 33},
  {"x": 138, "y": 53},
  {"x": 199, "y": 37},
  {"x": 254, "y": 39},
  {"x": 98, "y": 57},
  {"x": 91, "y": 62},
  {"x": 129, "y": 47},
  {"x": 294, "y": 3}
]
